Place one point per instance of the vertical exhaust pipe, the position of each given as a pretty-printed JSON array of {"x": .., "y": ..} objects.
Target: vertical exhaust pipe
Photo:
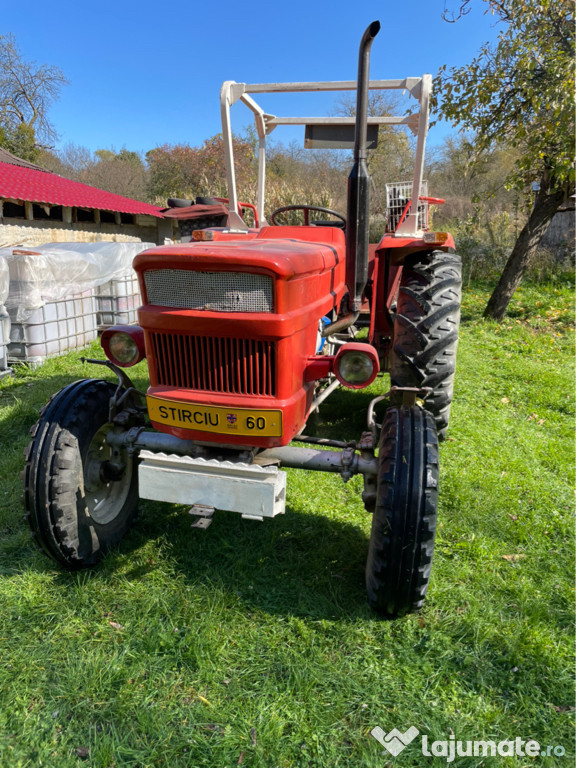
[{"x": 358, "y": 218}]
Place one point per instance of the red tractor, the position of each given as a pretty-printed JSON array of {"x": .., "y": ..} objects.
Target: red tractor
[{"x": 246, "y": 330}]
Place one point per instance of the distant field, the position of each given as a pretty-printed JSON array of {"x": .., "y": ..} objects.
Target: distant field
[{"x": 251, "y": 643}]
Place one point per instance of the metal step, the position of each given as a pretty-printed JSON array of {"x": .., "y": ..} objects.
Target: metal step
[
  {"x": 203, "y": 515},
  {"x": 253, "y": 491}
]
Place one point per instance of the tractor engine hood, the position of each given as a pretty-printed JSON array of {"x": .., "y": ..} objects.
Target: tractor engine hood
[{"x": 285, "y": 258}]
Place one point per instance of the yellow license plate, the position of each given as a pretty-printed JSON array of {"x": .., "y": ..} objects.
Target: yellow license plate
[{"x": 207, "y": 418}]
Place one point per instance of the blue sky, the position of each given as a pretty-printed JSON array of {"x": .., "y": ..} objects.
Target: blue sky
[{"x": 143, "y": 74}]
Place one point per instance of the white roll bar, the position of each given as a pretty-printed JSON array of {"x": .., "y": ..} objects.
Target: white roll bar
[{"x": 231, "y": 92}]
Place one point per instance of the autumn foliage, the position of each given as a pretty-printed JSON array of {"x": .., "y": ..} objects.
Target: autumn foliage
[{"x": 187, "y": 172}]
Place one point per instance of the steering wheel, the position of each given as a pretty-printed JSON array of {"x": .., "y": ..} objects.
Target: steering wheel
[{"x": 306, "y": 210}]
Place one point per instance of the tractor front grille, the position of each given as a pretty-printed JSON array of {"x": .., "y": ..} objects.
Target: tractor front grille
[
  {"x": 233, "y": 366},
  {"x": 212, "y": 291}
]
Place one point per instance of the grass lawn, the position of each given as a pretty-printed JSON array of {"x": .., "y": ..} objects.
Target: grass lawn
[{"x": 251, "y": 643}]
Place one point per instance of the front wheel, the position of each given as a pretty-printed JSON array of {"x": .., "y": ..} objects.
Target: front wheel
[
  {"x": 404, "y": 520},
  {"x": 81, "y": 496}
]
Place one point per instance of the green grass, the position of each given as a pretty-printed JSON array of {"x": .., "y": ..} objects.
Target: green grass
[{"x": 251, "y": 643}]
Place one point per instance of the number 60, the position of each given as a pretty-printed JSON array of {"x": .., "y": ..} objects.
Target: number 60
[{"x": 255, "y": 423}]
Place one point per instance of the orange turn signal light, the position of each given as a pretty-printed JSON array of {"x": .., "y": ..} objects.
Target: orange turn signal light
[{"x": 435, "y": 238}]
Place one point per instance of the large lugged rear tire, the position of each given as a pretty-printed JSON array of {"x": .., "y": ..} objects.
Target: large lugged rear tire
[
  {"x": 426, "y": 329},
  {"x": 404, "y": 521},
  {"x": 80, "y": 497}
]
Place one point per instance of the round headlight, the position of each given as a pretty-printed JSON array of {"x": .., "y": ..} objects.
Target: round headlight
[
  {"x": 123, "y": 344},
  {"x": 356, "y": 367},
  {"x": 123, "y": 348}
]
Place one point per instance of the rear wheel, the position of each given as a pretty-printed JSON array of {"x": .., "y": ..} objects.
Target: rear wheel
[
  {"x": 404, "y": 520},
  {"x": 81, "y": 496},
  {"x": 426, "y": 329}
]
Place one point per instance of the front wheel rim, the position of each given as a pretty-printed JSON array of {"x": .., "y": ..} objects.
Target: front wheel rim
[{"x": 105, "y": 498}]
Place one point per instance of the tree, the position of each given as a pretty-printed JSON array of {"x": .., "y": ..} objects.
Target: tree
[
  {"x": 27, "y": 90},
  {"x": 123, "y": 173},
  {"x": 72, "y": 161},
  {"x": 470, "y": 179},
  {"x": 295, "y": 175},
  {"x": 21, "y": 141},
  {"x": 521, "y": 92},
  {"x": 393, "y": 159},
  {"x": 187, "y": 172}
]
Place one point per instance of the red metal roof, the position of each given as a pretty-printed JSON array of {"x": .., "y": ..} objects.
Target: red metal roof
[{"x": 37, "y": 186}]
